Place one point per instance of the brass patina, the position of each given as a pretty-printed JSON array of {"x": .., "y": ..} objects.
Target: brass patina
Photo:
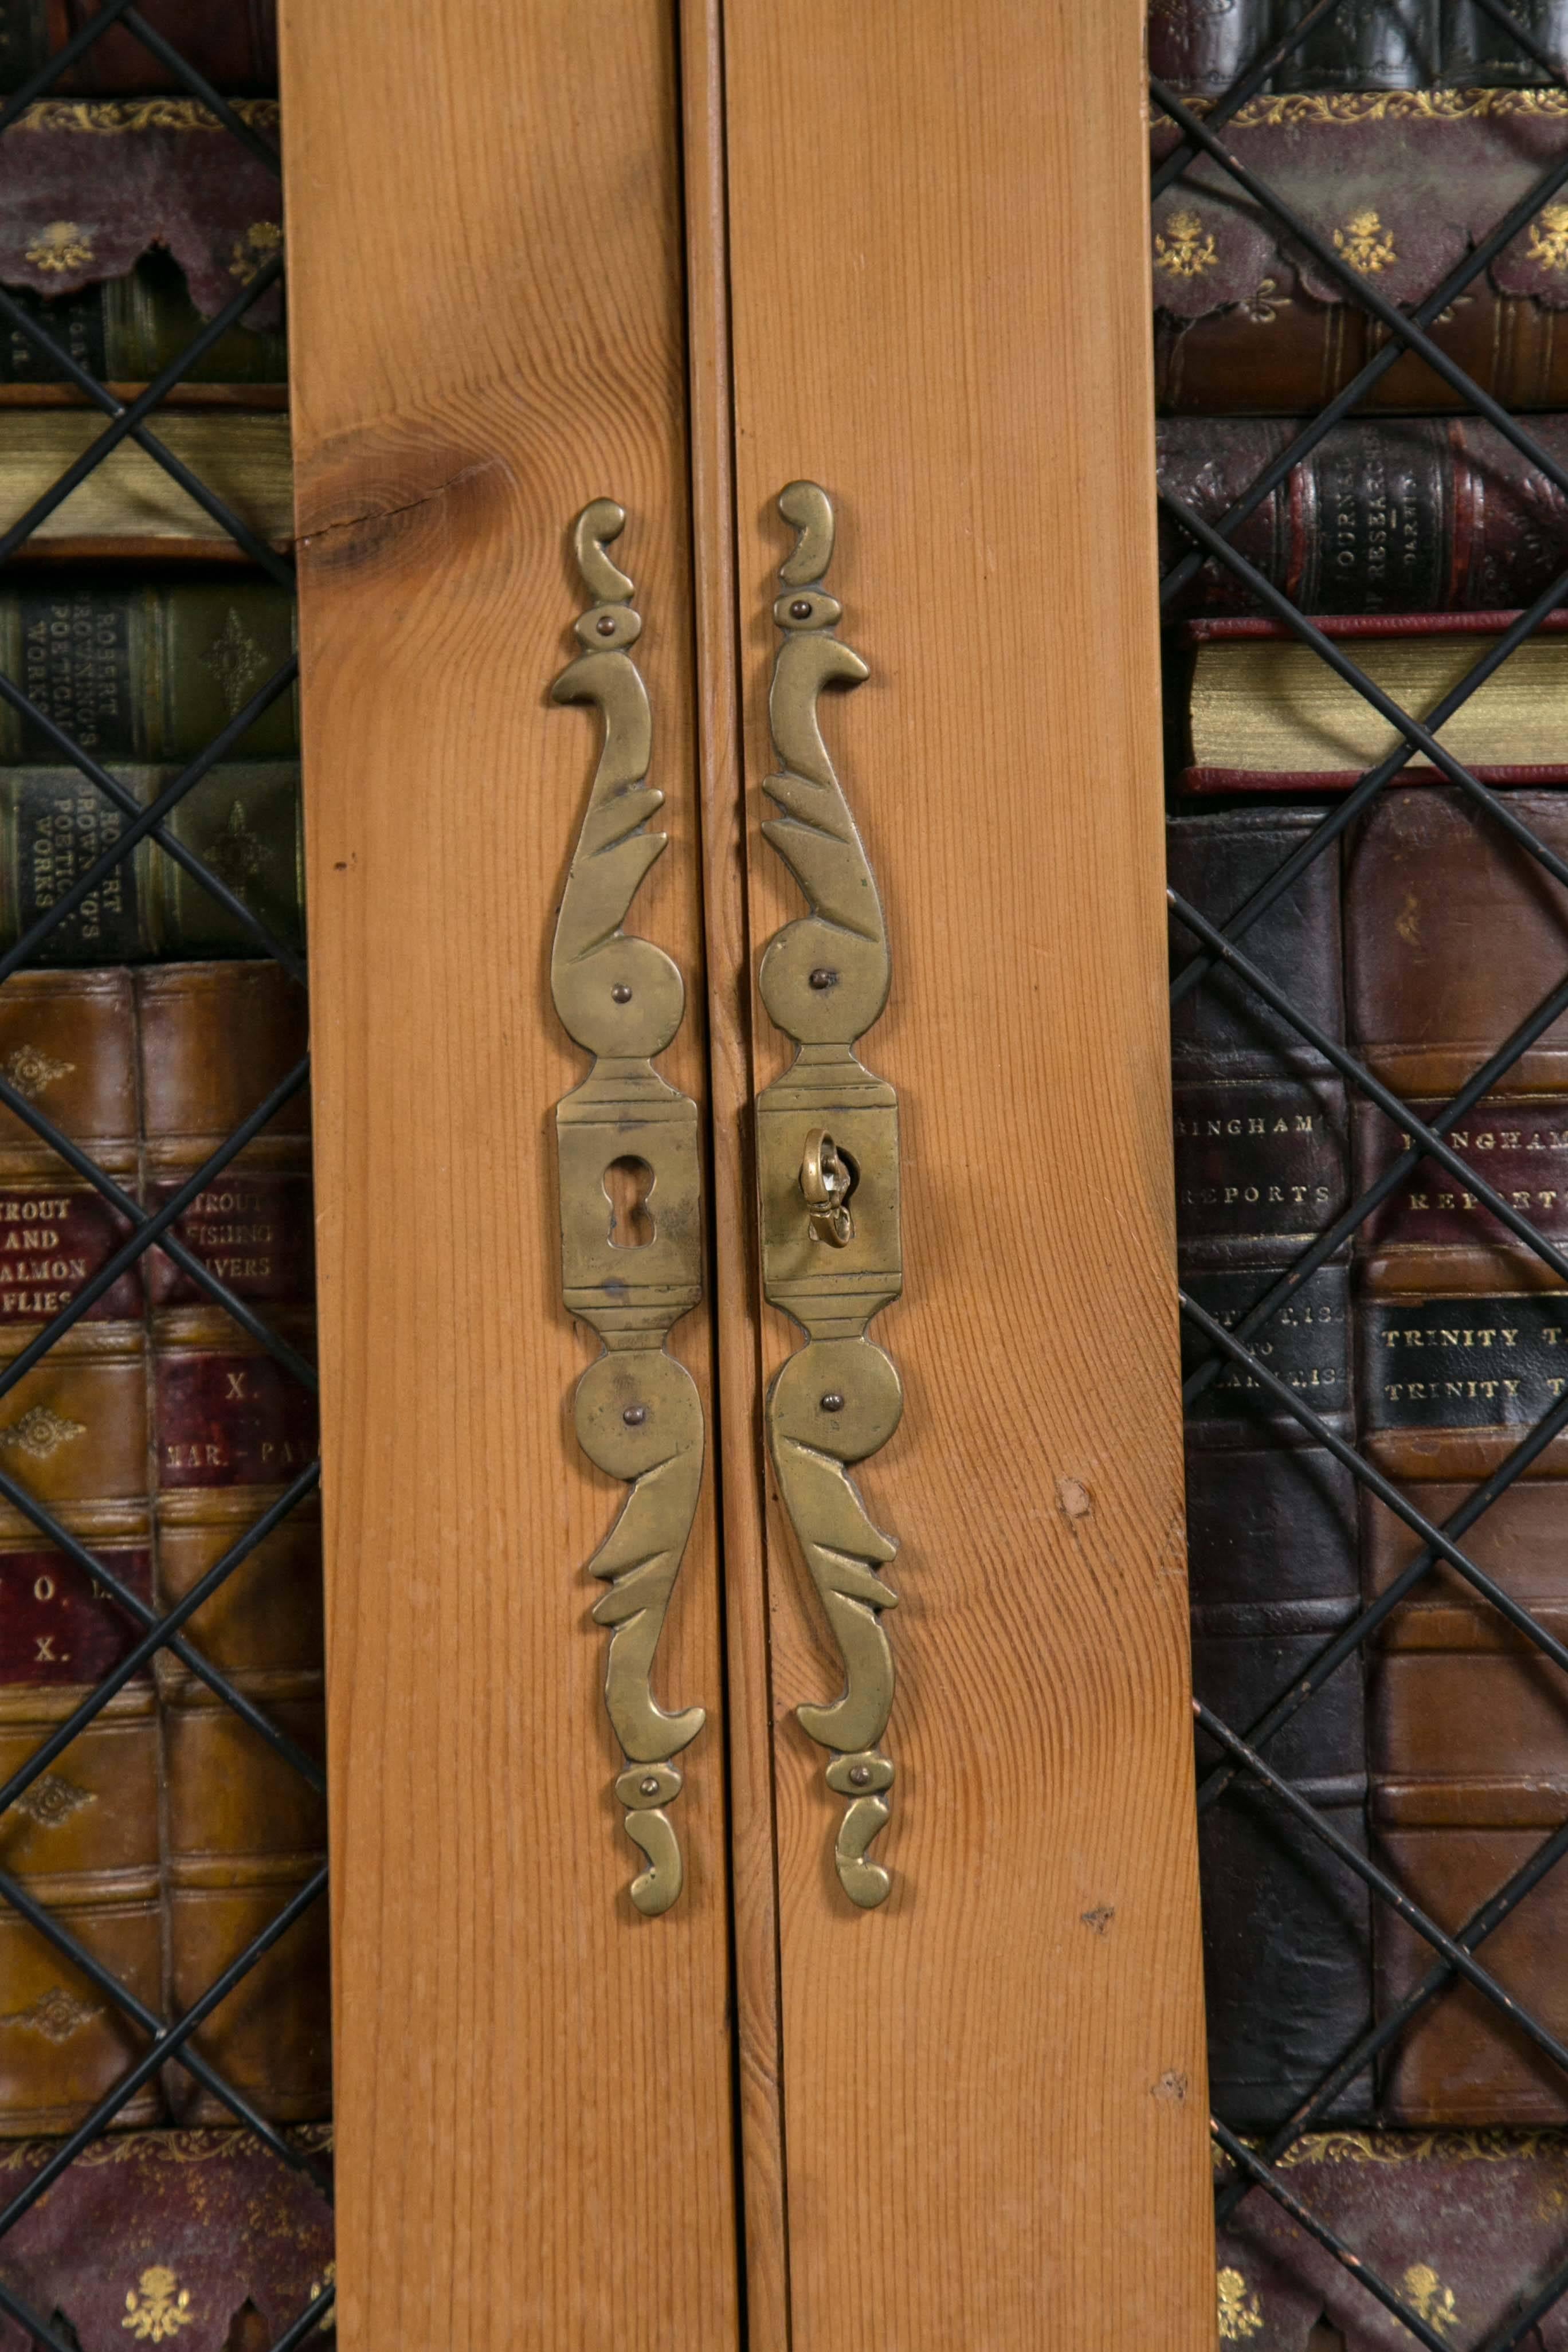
[
  {"x": 827, "y": 1172},
  {"x": 638, "y": 1414}
]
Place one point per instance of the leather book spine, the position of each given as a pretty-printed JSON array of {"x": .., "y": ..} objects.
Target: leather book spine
[
  {"x": 234, "y": 47},
  {"x": 1217, "y": 862},
  {"x": 1223, "y": 783},
  {"x": 246, "y": 822},
  {"x": 232, "y": 1427},
  {"x": 243, "y": 819},
  {"x": 1454, "y": 935},
  {"x": 145, "y": 673},
  {"x": 1282, "y": 355},
  {"x": 202, "y": 2239},
  {"x": 1261, "y": 1157},
  {"x": 1433, "y": 1232},
  {"x": 1370, "y": 44},
  {"x": 127, "y": 330},
  {"x": 1451, "y": 1382},
  {"x": 149, "y": 319},
  {"x": 76, "y": 320},
  {"x": 1198, "y": 48},
  {"x": 24, "y": 40},
  {"x": 1470, "y": 1776},
  {"x": 1466, "y": 2227},
  {"x": 84, "y": 1837},
  {"x": 55, "y": 823},
  {"x": 1479, "y": 54},
  {"x": 1406, "y": 515}
]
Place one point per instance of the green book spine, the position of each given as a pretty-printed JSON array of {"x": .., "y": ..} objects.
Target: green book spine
[
  {"x": 128, "y": 330},
  {"x": 145, "y": 673},
  {"x": 243, "y": 820},
  {"x": 149, "y": 319}
]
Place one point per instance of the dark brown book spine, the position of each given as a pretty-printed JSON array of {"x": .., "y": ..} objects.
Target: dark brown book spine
[
  {"x": 1277, "y": 357},
  {"x": 1386, "y": 516},
  {"x": 235, "y": 46},
  {"x": 232, "y": 1427},
  {"x": 1261, "y": 1160},
  {"x": 1454, "y": 935}
]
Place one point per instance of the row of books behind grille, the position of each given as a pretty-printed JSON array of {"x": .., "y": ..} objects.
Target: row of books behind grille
[
  {"x": 147, "y": 1027},
  {"x": 1434, "y": 1338}
]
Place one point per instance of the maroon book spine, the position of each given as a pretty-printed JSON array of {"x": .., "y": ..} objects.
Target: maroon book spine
[{"x": 1412, "y": 515}]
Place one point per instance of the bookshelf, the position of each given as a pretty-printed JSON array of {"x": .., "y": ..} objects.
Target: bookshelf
[
  {"x": 1364, "y": 1043},
  {"x": 166, "y": 2136},
  {"x": 535, "y": 261}
]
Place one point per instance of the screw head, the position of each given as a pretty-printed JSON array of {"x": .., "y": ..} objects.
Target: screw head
[
  {"x": 649, "y": 1785},
  {"x": 635, "y": 1415},
  {"x": 823, "y": 977},
  {"x": 801, "y": 609},
  {"x": 858, "y": 1775},
  {"x": 620, "y": 993},
  {"x": 606, "y": 624},
  {"x": 833, "y": 1401}
]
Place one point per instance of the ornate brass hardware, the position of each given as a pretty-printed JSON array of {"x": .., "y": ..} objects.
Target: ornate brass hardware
[
  {"x": 827, "y": 1135},
  {"x": 638, "y": 1414}
]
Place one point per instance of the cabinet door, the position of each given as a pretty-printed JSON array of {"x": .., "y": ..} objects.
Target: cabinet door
[
  {"x": 533, "y": 2082},
  {"x": 992, "y": 2120},
  {"x": 905, "y": 264}
]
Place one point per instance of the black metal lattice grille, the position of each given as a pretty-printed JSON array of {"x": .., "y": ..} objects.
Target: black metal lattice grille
[
  {"x": 166, "y": 2038},
  {"x": 1244, "y": 1751}
]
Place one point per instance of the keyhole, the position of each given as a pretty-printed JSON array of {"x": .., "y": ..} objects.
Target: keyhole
[
  {"x": 627, "y": 1183},
  {"x": 1325, "y": 2337}
]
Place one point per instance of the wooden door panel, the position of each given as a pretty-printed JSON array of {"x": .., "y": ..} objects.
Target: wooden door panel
[
  {"x": 533, "y": 2091},
  {"x": 993, "y": 2093}
]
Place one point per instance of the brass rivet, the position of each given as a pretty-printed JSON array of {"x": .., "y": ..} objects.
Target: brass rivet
[
  {"x": 606, "y": 624},
  {"x": 823, "y": 977},
  {"x": 801, "y": 609},
  {"x": 635, "y": 1415},
  {"x": 833, "y": 1401},
  {"x": 858, "y": 1775},
  {"x": 620, "y": 993},
  {"x": 649, "y": 1787}
]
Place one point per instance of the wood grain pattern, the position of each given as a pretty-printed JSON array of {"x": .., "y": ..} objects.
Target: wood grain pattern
[
  {"x": 993, "y": 2087},
  {"x": 535, "y": 2135},
  {"x": 753, "y": 1839}
]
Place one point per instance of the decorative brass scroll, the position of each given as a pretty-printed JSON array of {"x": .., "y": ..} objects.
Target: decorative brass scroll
[
  {"x": 640, "y": 1416},
  {"x": 828, "y": 1171}
]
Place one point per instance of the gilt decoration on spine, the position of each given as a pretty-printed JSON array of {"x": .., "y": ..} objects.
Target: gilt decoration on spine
[
  {"x": 827, "y": 1160},
  {"x": 638, "y": 1415}
]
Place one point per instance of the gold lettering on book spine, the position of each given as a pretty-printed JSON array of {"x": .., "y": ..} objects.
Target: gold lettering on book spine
[
  {"x": 638, "y": 1415},
  {"x": 827, "y": 1172}
]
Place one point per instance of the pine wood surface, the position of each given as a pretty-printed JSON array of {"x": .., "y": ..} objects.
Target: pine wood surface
[
  {"x": 737, "y": 1287},
  {"x": 994, "y": 2098},
  {"x": 534, "y": 2128}
]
